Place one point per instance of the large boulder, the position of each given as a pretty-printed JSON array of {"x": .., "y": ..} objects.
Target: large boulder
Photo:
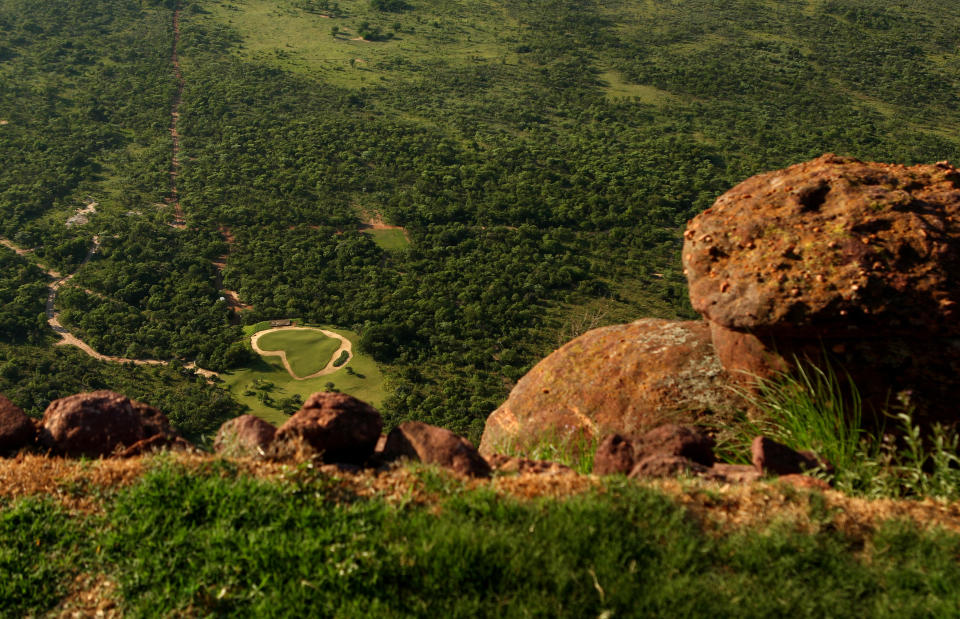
[
  {"x": 838, "y": 262},
  {"x": 338, "y": 426},
  {"x": 832, "y": 247},
  {"x": 16, "y": 429},
  {"x": 620, "y": 379},
  {"x": 98, "y": 424},
  {"x": 246, "y": 435},
  {"x": 433, "y": 445}
]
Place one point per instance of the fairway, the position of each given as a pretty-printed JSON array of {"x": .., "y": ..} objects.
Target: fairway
[
  {"x": 264, "y": 385},
  {"x": 307, "y": 352}
]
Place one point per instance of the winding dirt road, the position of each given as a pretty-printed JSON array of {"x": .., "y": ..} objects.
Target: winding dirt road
[
  {"x": 69, "y": 339},
  {"x": 345, "y": 345}
]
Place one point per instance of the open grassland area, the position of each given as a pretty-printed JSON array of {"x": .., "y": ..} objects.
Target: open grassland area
[
  {"x": 204, "y": 536},
  {"x": 389, "y": 240},
  {"x": 307, "y": 352},
  {"x": 268, "y": 390}
]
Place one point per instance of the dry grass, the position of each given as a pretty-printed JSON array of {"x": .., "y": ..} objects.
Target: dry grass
[{"x": 720, "y": 507}]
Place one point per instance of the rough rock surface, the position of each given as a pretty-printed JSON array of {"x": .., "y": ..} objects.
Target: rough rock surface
[
  {"x": 338, "y": 426},
  {"x": 771, "y": 457},
  {"x": 96, "y": 424},
  {"x": 509, "y": 464},
  {"x": 16, "y": 429},
  {"x": 662, "y": 465},
  {"x": 832, "y": 247},
  {"x": 624, "y": 378},
  {"x": 246, "y": 435},
  {"x": 433, "y": 445},
  {"x": 804, "y": 482}
]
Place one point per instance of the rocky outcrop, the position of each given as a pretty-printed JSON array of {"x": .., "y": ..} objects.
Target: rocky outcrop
[
  {"x": 337, "y": 426},
  {"x": 246, "y": 435},
  {"x": 433, "y": 445},
  {"x": 620, "y": 454},
  {"x": 840, "y": 261},
  {"x": 16, "y": 429},
  {"x": 623, "y": 378},
  {"x": 98, "y": 424}
]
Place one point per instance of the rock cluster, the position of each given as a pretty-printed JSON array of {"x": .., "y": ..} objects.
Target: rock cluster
[
  {"x": 672, "y": 450},
  {"x": 838, "y": 262}
]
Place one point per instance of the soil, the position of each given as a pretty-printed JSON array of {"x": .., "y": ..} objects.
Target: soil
[{"x": 345, "y": 345}]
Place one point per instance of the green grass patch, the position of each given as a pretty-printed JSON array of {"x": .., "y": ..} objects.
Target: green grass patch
[
  {"x": 389, "y": 240},
  {"x": 265, "y": 386},
  {"x": 307, "y": 352}
]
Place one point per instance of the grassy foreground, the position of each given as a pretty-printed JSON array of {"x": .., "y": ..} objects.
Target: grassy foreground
[{"x": 203, "y": 536}]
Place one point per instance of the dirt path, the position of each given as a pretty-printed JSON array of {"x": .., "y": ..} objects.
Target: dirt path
[
  {"x": 69, "y": 339},
  {"x": 345, "y": 345},
  {"x": 179, "y": 221}
]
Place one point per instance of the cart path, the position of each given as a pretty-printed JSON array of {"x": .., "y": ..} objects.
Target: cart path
[{"x": 345, "y": 345}]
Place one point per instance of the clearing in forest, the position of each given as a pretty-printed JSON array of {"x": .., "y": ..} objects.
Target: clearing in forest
[{"x": 266, "y": 387}]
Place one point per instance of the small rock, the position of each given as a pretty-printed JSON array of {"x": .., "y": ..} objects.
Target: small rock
[
  {"x": 338, "y": 426},
  {"x": 733, "y": 473},
  {"x": 156, "y": 443},
  {"x": 676, "y": 440},
  {"x": 246, "y": 435},
  {"x": 804, "y": 482},
  {"x": 614, "y": 456},
  {"x": 96, "y": 424},
  {"x": 771, "y": 457},
  {"x": 661, "y": 465},
  {"x": 433, "y": 445},
  {"x": 16, "y": 429},
  {"x": 508, "y": 464}
]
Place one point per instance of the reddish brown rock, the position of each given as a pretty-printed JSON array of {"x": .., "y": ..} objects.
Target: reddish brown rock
[
  {"x": 621, "y": 379},
  {"x": 155, "y": 444},
  {"x": 614, "y": 456},
  {"x": 16, "y": 429},
  {"x": 833, "y": 247},
  {"x": 773, "y": 458},
  {"x": 733, "y": 473},
  {"x": 662, "y": 465},
  {"x": 98, "y": 424},
  {"x": 513, "y": 464},
  {"x": 433, "y": 445},
  {"x": 675, "y": 440},
  {"x": 338, "y": 426},
  {"x": 246, "y": 435}
]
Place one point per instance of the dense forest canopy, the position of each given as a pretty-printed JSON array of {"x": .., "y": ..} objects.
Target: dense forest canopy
[{"x": 542, "y": 156}]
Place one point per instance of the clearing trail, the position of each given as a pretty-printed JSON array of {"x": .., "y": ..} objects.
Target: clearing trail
[
  {"x": 179, "y": 221},
  {"x": 345, "y": 345}
]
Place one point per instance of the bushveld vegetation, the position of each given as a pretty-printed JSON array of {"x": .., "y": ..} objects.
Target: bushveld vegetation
[{"x": 542, "y": 157}]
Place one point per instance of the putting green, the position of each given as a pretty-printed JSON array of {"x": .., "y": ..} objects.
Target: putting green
[{"x": 307, "y": 352}]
